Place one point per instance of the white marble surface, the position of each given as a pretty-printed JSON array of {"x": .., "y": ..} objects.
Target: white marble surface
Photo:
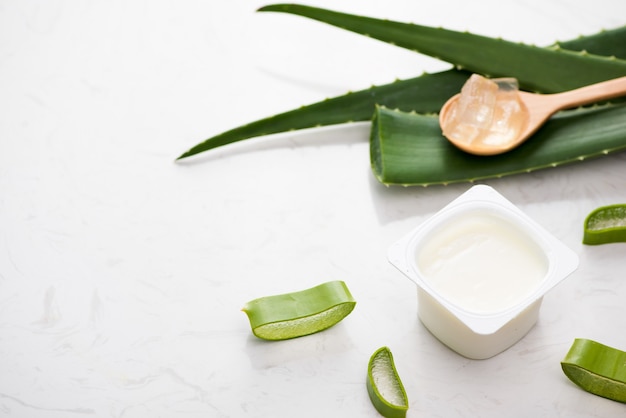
[{"x": 122, "y": 274}]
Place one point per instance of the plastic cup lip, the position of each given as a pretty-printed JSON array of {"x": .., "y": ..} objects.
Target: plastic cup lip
[{"x": 561, "y": 260}]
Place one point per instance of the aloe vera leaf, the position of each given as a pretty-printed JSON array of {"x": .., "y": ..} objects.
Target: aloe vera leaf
[
  {"x": 423, "y": 94},
  {"x": 399, "y": 156},
  {"x": 606, "y": 42},
  {"x": 432, "y": 89},
  {"x": 546, "y": 70}
]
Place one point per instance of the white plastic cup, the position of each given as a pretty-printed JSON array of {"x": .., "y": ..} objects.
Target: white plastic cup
[{"x": 467, "y": 328}]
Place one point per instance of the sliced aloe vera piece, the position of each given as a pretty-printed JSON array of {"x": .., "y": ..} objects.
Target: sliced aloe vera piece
[
  {"x": 384, "y": 386},
  {"x": 423, "y": 94},
  {"x": 291, "y": 315},
  {"x": 597, "y": 368},
  {"x": 605, "y": 225},
  {"x": 409, "y": 149}
]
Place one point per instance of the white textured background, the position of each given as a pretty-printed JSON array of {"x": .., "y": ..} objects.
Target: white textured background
[{"x": 122, "y": 274}]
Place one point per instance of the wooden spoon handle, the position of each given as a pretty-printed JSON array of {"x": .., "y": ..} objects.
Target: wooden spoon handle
[{"x": 604, "y": 90}]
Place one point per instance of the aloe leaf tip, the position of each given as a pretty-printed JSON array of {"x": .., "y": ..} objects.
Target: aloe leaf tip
[{"x": 273, "y": 7}]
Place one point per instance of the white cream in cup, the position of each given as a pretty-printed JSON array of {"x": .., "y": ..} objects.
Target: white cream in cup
[{"x": 482, "y": 268}]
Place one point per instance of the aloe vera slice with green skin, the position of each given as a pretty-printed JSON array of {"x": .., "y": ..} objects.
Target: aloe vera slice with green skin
[
  {"x": 399, "y": 156},
  {"x": 597, "y": 368},
  {"x": 423, "y": 94},
  {"x": 291, "y": 315},
  {"x": 606, "y": 224},
  {"x": 384, "y": 386}
]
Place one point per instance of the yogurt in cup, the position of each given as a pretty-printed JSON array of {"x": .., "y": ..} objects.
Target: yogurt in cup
[{"x": 482, "y": 268}]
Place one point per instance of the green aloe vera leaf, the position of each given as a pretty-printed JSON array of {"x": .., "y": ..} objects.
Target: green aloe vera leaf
[
  {"x": 546, "y": 70},
  {"x": 423, "y": 94},
  {"x": 409, "y": 149},
  {"x": 606, "y": 42},
  {"x": 432, "y": 89}
]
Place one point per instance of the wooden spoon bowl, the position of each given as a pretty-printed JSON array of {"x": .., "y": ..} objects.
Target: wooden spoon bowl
[{"x": 538, "y": 109}]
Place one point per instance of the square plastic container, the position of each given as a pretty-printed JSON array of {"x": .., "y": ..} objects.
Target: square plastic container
[{"x": 482, "y": 268}]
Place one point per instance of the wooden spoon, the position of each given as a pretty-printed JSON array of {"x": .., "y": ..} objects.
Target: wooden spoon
[{"x": 538, "y": 109}]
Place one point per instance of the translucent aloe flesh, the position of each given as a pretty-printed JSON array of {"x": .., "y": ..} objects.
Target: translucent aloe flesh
[{"x": 544, "y": 69}]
